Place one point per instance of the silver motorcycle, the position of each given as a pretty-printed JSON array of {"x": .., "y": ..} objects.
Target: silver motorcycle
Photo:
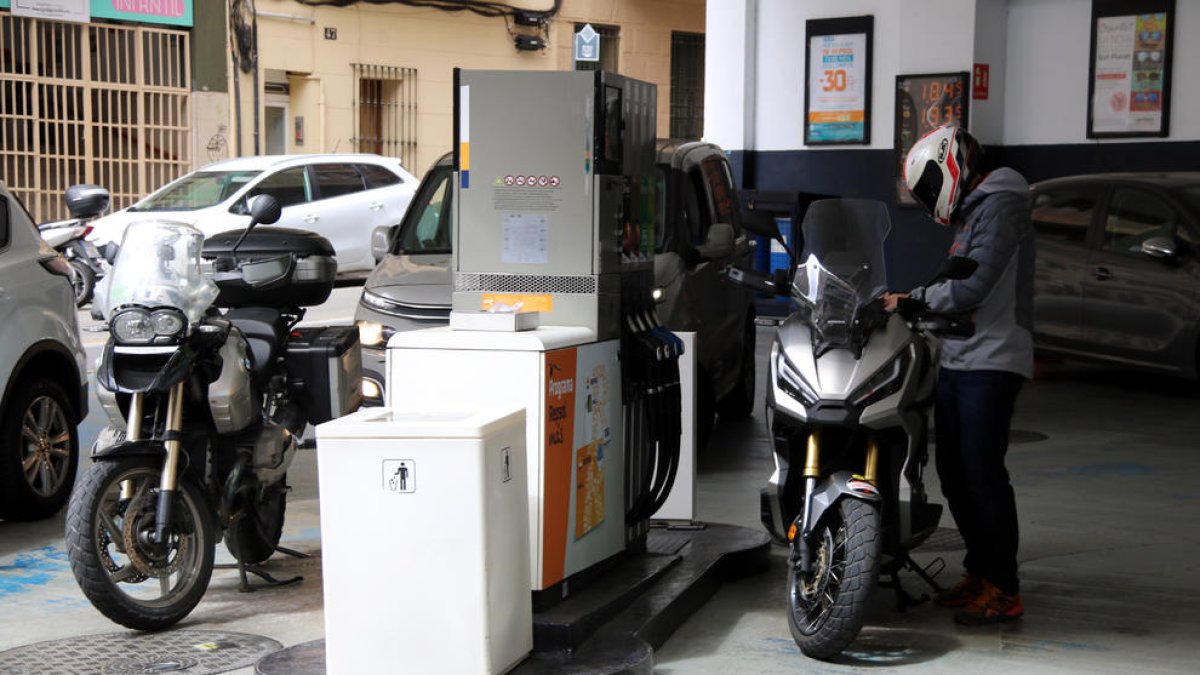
[
  {"x": 207, "y": 382},
  {"x": 848, "y": 401}
]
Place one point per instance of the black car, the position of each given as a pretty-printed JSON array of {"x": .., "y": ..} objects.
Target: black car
[{"x": 1118, "y": 269}]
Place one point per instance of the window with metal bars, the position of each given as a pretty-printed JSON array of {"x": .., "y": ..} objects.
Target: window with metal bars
[
  {"x": 687, "y": 85},
  {"x": 610, "y": 47},
  {"x": 385, "y": 112}
]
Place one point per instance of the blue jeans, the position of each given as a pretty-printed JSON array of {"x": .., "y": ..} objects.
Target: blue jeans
[{"x": 972, "y": 415}]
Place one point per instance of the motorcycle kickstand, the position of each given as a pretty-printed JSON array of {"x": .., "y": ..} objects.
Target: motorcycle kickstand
[
  {"x": 269, "y": 580},
  {"x": 904, "y": 599}
]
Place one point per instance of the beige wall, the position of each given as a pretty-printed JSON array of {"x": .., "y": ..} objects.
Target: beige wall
[{"x": 434, "y": 43}]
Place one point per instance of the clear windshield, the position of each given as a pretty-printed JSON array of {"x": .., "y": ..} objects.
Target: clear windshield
[
  {"x": 842, "y": 266},
  {"x": 196, "y": 191},
  {"x": 158, "y": 265}
]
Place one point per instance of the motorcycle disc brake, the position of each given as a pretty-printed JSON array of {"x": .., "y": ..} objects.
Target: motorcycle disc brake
[
  {"x": 104, "y": 539},
  {"x": 817, "y": 581},
  {"x": 143, "y": 560}
]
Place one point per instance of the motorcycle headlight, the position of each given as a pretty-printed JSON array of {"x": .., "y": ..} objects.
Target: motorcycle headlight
[
  {"x": 791, "y": 381},
  {"x": 883, "y": 383},
  {"x": 133, "y": 326},
  {"x": 137, "y": 326}
]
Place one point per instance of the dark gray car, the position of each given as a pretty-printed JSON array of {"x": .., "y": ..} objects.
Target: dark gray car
[
  {"x": 698, "y": 232},
  {"x": 1118, "y": 269}
]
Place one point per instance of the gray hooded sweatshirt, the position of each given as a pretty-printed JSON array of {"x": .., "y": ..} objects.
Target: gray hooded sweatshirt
[{"x": 995, "y": 230}]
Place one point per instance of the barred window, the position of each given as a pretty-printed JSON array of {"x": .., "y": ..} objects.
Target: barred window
[{"x": 385, "y": 112}]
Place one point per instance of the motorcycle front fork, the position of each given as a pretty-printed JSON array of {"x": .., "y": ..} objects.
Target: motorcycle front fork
[
  {"x": 169, "y": 481},
  {"x": 799, "y": 536}
]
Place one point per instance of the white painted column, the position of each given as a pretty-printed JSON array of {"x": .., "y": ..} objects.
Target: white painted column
[{"x": 729, "y": 73}]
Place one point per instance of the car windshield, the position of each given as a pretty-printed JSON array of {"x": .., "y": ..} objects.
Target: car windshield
[
  {"x": 843, "y": 267},
  {"x": 427, "y": 223},
  {"x": 158, "y": 265},
  {"x": 196, "y": 191}
]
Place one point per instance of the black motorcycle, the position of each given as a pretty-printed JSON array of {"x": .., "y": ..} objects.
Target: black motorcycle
[{"x": 207, "y": 382}]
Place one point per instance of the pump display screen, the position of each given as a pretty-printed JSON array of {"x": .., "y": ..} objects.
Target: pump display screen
[{"x": 613, "y": 141}]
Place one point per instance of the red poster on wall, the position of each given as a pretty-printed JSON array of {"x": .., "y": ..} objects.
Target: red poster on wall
[{"x": 979, "y": 83}]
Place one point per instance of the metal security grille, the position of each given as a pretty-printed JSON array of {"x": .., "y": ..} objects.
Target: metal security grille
[
  {"x": 91, "y": 103},
  {"x": 687, "y": 85},
  {"x": 523, "y": 283},
  {"x": 385, "y": 112}
]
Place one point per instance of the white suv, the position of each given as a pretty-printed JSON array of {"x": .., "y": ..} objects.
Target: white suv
[
  {"x": 340, "y": 197},
  {"x": 42, "y": 373}
]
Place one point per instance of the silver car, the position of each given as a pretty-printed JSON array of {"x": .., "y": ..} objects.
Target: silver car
[
  {"x": 42, "y": 373},
  {"x": 1118, "y": 269},
  {"x": 698, "y": 232}
]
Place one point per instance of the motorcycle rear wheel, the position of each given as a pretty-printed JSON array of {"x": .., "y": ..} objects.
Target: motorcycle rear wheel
[
  {"x": 131, "y": 580},
  {"x": 827, "y": 606},
  {"x": 83, "y": 281}
]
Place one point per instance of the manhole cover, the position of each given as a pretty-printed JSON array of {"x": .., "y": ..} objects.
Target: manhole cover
[
  {"x": 1016, "y": 436},
  {"x": 195, "y": 652},
  {"x": 943, "y": 539}
]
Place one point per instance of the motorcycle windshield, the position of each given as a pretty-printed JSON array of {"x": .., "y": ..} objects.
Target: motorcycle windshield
[
  {"x": 158, "y": 265},
  {"x": 843, "y": 267}
]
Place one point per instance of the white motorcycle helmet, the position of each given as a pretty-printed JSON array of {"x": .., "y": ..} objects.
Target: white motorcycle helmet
[{"x": 938, "y": 169}]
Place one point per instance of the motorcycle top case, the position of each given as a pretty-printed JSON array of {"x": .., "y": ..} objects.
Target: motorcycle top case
[
  {"x": 86, "y": 201},
  {"x": 309, "y": 284},
  {"x": 326, "y": 364}
]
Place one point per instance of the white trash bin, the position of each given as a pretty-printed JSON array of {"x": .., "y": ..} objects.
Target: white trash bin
[{"x": 425, "y": 541}]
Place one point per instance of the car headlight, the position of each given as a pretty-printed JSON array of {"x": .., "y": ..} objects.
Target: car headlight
[
  {"x": 370, "y": 334},
  {"x": 138, "y": 326},
  {"x": 790, "y": 380},
  {"x": 883, "y": 383},
  {"x": 376, "y": 301}
]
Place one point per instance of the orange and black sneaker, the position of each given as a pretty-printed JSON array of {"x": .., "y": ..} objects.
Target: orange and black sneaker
[
  {"x": 961, "y": 594},
  {"x": 992, "y": 606}
]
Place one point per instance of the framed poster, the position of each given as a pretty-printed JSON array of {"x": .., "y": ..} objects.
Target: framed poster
[
  {"x": 1129, "y": 68},
  {"x": 837, "y": 81},
  {"x": 923, "y": 103}
]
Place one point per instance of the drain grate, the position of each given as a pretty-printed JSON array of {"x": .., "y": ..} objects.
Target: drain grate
[
  {"x": 943, "y": 539},
  {"x": 195, "y": 652}
]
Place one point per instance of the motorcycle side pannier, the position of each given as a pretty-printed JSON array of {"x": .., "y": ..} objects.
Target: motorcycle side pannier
[
  {"x": 309, "y": 284},
  {"x": 325, "y": 362}
]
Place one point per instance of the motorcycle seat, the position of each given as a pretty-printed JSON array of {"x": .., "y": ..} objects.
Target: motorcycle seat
[{"x": 264, "y": 329}]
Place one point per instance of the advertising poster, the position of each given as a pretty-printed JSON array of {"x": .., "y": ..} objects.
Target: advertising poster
[
  {"x": 1129, "y": 75},
  {"x": 169, "y": 12},
  {"x": 59, "y": 10},
  {"x": 837, "y": 89}
]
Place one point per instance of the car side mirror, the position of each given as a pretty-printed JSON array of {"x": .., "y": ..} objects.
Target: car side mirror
[
  {"x": 381, "y": 241},
  {"x": 1162, "y": 248},
  {"x": 720, "y": 242}
]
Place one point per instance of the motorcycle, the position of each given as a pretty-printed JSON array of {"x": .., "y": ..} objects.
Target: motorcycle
[
  {"x": 207, "y": 382},
  {"x": 85, "y": 203},
  {"x": 848, "y": 400}
]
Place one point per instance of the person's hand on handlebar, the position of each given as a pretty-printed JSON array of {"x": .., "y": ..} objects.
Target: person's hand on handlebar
[{"x": 891, "y": 300}]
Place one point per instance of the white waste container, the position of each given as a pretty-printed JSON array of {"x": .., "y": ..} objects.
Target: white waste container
[{"x": 425, "y": 541}]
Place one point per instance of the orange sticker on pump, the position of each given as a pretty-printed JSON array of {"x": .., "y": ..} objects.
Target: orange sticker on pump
[{"x": 528, "y": 302}]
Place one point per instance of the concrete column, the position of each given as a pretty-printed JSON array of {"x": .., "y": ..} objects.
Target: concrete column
[{"x": 729, "y": 67}]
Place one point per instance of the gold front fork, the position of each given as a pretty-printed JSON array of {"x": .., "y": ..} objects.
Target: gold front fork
[
  {"x": 170, "y": 473},
  {"x": 133, "y": 432},
  {"x": 872, "y": 461},
  {"x": 812, "y": 456}
]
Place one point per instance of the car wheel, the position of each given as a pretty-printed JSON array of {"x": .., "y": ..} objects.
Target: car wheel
[
  {"x": 739, "y": 402},
  {"x": 39, "y": 451}
]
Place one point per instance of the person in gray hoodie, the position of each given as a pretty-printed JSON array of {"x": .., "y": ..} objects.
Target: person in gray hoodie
[{"x": 980, "y": 376}]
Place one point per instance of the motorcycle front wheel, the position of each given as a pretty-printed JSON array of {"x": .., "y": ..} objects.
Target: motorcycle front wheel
[
  {"x": 129, "y": 578},
  {"x": 83, "y": 281},
  {"x": 827, "y": 606}
]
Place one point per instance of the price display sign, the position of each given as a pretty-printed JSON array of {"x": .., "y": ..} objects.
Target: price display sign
[
  {"x": 837, "y": 93},
  {"x": 924, "y": 103}
]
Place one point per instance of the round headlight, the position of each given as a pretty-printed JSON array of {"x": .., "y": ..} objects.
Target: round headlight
[
  {"x": 167, "y": 323},
  {"x": 133, "y": 326}
]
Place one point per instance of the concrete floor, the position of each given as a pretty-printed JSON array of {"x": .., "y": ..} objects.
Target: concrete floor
[{"x": 1108, "y": 502}]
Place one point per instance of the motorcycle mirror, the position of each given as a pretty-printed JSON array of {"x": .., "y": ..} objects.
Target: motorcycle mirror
[
  {"x": 264, "y": 210},
  {"x": 110, "y": 252},
  {"x": 761, "y": 223}
]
